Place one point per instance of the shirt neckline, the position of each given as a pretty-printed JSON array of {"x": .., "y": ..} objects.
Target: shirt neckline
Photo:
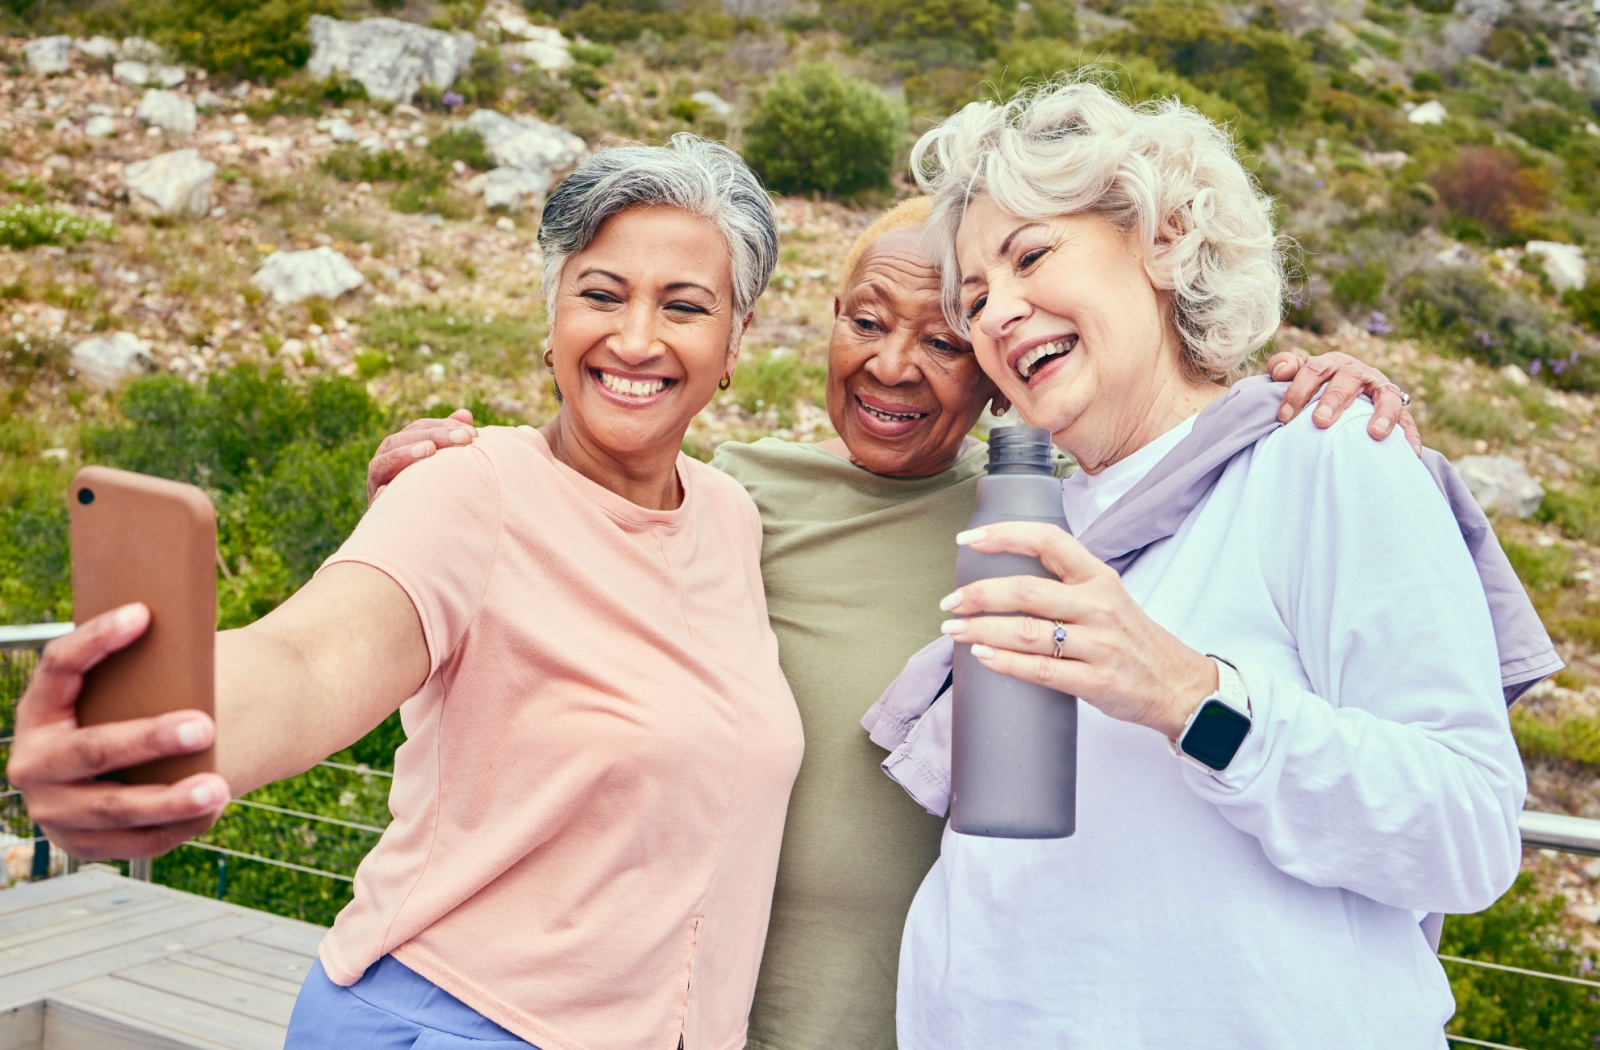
[
  {"x": 1085, "y": 496},
  {"x": 614, "y": 505}
]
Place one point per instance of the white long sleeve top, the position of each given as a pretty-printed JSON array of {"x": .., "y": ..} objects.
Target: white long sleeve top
[{"x": 1274, "y": 904}]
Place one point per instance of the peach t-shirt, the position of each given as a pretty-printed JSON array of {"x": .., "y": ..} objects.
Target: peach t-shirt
[{"x": 589, "y": 802}]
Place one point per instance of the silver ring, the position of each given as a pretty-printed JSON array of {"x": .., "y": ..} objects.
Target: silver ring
[
  {"x": 1059, "y": 637},
  {"x": 1405, "y": 398}
]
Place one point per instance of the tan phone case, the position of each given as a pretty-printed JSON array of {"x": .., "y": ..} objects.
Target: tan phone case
[{"x": 141, "y": 539}]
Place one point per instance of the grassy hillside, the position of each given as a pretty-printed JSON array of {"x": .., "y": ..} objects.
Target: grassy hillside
[{"x": 1412, "y": 232}]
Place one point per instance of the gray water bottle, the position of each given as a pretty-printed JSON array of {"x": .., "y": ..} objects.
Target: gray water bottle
[{"x": 1015, "y": 754}]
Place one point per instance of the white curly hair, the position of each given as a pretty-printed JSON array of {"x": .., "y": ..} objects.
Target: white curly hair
[{"x": 1159, "y": 168}]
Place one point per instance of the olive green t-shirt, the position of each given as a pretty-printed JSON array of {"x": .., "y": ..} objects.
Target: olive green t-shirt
[{"x": 854, "y": 566}]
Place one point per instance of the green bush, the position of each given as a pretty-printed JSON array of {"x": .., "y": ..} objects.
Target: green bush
[
  {"x": 1523, "y": 929},
  {"x": 978, "y": 24},
  {"x": 1574, "y": 509},
  {"x": 248, "y": 39},
  {"x": 815, "y": 130},
  {"x": 1460, "y": 309},
  {"x": 30, "y": 225},
  {"x": 1585, "y": 304},
  {"x": 461, "y": 144},
  {"x": 1265, "y": 72}
]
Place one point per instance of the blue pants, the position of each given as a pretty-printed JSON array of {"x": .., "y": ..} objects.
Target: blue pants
[{"x": 391, "y": 1007}]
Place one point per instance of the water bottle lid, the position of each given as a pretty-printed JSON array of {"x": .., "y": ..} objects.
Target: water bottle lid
[{"x": 1019, "y": 449}]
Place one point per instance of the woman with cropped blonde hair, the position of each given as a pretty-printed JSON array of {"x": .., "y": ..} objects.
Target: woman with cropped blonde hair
[{"x": 1294, "y": 658}]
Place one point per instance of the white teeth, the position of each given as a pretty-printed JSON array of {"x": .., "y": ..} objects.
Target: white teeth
[
  {"x": 632, "y": 387},
  {"x": 1027, "y": 361},
  {"x": 892, "y": 417}
]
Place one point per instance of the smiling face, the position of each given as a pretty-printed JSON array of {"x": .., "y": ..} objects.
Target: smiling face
[
  {"x": 642, "y": 329},
  {"x": 1066, "y": 321},
  {"x": 903, "y": 388}
]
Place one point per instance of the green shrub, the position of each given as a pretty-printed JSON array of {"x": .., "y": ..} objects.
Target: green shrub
[
  {"x": 817, "y": 131},
  {"x": 501, "y": 346},
  {"x": 1575, "y": 510},
  {"x": 1522, "y": 929},
  {"x": 1585, "y": 303},
  {"x": 1427, "y": 80},
  {"x": 978, "y": 24},
  {"x": 485, "y": 79},
  {"x": 1546, "y": 126},
  {"x": 30, "y": 225},
  {"x": 1263, "y": 71},
  {"x": 776, "y": 382},
  {"x": 1360, "y": 287},
  {"x": 612, "y": 25},
  {"x": 592, "y": 54},
  {"x": 1459, "y": 308},
  {"x": 461, "y": 144},
  {"x": 35, "y": 581},
  {"x": 247, "y": 39}
]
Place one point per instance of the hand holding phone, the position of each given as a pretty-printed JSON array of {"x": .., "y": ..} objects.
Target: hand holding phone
[
  {"x": 59, "y": 765},
  {"x": 137, "y": 538}
]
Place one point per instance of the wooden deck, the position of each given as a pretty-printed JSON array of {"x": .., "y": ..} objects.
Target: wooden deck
[{"x": 93, "y": 961}]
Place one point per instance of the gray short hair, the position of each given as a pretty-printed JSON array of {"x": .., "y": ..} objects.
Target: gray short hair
[
  {"x": 1160, "y": 168},
  {"x": 702, "y": 177}
]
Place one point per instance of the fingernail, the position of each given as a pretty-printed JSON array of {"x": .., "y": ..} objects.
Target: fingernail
[
  {"x": 982, "y": 652},
  {"x": 950, "y": 601},
  {"x": 205, "y": 795},
  {"x": 1285, "y": 414},
  {"x": 1323, "y": 414},
  {"x": 953, "y": 627},
  {"x": 1384, "y": 426},
  {"x": 970, "y": 536},
  {"x": 460, "y": 436},
  {"x": 191, "y": 734},
  {"x": 420, "y": 449},
  {"x": 127, "y": 616}
]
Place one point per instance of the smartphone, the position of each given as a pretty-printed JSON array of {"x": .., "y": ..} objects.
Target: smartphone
[{"x": 137, "y": 538}]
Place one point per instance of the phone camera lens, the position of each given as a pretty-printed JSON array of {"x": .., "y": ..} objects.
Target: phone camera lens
[{"x": 86, "y": 496}]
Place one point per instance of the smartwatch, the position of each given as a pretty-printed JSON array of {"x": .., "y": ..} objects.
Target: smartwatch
[{"x": 1218, "y": 727}]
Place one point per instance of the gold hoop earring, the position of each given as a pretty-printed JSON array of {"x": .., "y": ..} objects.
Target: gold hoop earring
[
  {"x": 549, "y": 358},
  {"x": 727, "y": 381}
]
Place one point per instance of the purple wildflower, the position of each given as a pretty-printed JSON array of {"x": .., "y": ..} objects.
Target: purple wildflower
[
  {"x": 516, "y": 67},
  {"x": 1535, "y": 367},
  {"x": 1378, "y": 324},
  {"x": 452, "y": 99},
  {"x": 1320, "y": 184},
  {"x": 1485, "y": 338},
  {"x": 1557, "y": 367}
]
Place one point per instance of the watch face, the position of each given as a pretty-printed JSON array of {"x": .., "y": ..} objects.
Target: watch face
[{"x": 1215, "y": 734}]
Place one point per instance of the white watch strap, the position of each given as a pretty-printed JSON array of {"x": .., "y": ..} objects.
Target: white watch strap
[{"x": 1230, "y": 691}]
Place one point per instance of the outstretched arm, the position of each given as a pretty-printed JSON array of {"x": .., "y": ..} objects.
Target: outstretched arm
[{"x": 305, "y": 681}]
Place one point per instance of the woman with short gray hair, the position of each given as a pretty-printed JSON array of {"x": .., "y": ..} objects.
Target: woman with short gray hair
[
  {"x": 1280, "y": 765},
  {"x": 600, "y": 742}
]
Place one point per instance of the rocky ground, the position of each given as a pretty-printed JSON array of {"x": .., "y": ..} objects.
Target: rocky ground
[{"x": 433, "y": 301}]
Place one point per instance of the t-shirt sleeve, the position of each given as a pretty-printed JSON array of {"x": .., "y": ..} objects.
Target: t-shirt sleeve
[{"x": 435, "y": 531}]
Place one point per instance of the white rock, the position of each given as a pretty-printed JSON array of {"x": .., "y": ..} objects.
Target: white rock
[
  {"x": 511, "y": 188},
  {"x": 1430, "y": 112},
  {"x": 503, "y": 223},
  {"x": 292, "y": 276},
  {"x": 100, "y": 127},
  {"x": 106, "y": 360},
  {"x": 163, "y": 109},
  {"x": 49, "y": 54},
  {"x": 176, "y": 184},
  {"x": 544, "y": 46},
  {"x": 1501, "y": 485},
  {"x": 1562, "y": 262},
  {"x": 1515, "y": 376},
  {"x": 713, "y": 103},
  {"x": 101, "y": 47},
  {"x": 131, "y": 72},
  {"x": 225, "y": 137},
  {"x": 139, "y": 49},
  {"x": 208, "y": 99},
  {"x": 391, "y": 58},
  {"x": 528, "y": 144},
  {"x": 338, "y": 129}
]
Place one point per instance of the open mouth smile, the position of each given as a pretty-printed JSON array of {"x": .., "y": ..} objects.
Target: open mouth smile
[
  {"x": 629, "y": 389},
  {"x": 1031, "y": 362},
  {"x": 887, "y": 416}
]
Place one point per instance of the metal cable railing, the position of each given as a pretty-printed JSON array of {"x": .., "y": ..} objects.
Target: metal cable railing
[{"x": 19, "y": 648}]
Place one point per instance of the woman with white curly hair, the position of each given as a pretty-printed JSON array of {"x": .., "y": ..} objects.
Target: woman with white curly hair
[{"x": 1281, "y": 766}]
